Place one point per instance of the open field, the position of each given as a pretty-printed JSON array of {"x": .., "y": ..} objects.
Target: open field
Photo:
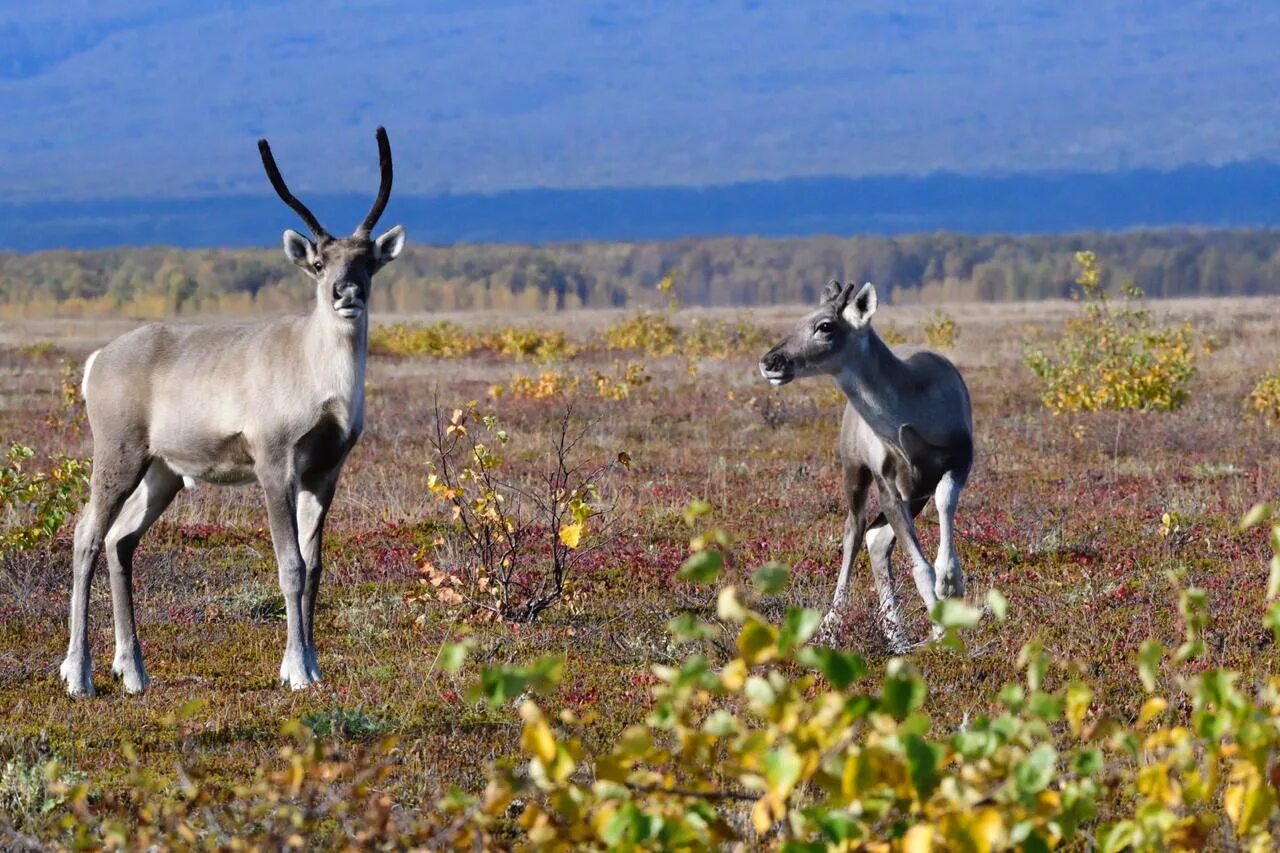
[{"x": 1063, "y": 514}]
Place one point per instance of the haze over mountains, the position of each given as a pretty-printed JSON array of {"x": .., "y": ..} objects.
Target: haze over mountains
[{"x": 133, "y": 121}]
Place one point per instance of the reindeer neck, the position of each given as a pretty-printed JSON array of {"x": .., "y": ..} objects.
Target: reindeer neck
[
  {"x": 336, "y": 349},
  {"x": 871, "y": 379}
]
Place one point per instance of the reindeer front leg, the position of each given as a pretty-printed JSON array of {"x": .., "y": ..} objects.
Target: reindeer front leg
[
  {"x": 898, "y": 512},
  {"x": 950, "y": 583},
  {"x": 313, "y": 507},
  {"x": 282, "y": 516}
]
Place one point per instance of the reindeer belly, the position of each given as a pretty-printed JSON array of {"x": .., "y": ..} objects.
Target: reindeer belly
[{"x": 224, "y": 462}]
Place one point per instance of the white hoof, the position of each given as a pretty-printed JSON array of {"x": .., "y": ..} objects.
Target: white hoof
[
  {"x": 78, "y": 675},
  {"x": 950, "y": 582},
  {"x": 294, "y": 672},
  {"x": 131, "y": 672}
]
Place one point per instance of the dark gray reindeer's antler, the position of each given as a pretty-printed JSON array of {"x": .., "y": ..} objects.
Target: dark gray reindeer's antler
[
  {"x": 273, "y": 174},
  {"x": 384, "y": 187}
]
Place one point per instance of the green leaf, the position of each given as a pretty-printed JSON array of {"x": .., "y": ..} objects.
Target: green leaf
[
  {"x": 1087, "y": 762},
  {"x": 1044, "y": 706},
  {"x": 903, "y": 690},
  {"x": 687, "y": 628},
  {"x": 1272, "y": 619},
  {"x": 798, "y": 626},
  {"x": 922, "y": 765},
  {"x": 836, "y": 827},
  {"x": 702, "y": 567},
  {"x": 782, "y": 768},
  {"x": 954, "y": 613},
  {"x": 499, "y": 684},
  {"x": 1034, "y": 773},
  {"x": 695, "y": 510},
  {"x": 1149, "y": 656},
  {"x": 771, "y": 578},
  {"x": 1260, "y": 514},
  {"x": 839, "y": 668},
  {"x": 998, "y": 604},
  {"x": 1117, "y": 837},
  {"x": 720, "y": 723},
  {"x": 454, "y": 655},
  {"x": 757, "y": 642}
]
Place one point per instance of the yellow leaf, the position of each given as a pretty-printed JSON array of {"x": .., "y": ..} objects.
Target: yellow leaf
[
  {"x": 919, "y": 839},
  {"x": 571, "y": 534},
  {"x": 734, "y": 675},
  {"x": 537, "y": 739},
  {"x": 1151, "y": 709},
  {"x": 765, "y": 812}
]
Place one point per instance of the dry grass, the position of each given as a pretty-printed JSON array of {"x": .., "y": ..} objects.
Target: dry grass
[{"x": 1061, "y": 514}]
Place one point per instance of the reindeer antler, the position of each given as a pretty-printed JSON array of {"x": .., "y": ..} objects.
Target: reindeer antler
[
  {"x": 282, "y": 190},
  {"x": 384, "y": 188}
]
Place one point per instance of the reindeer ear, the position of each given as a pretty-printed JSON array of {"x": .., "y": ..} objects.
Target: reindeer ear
[
  {"x": 858, "y": 309},
  {"x": 299, "y": 249},
  {"x": 387, "y": 247},
  {"x": 831, "y": 292}
]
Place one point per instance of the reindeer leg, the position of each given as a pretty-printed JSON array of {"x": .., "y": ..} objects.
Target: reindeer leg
[
  {"x": 880, "y": 541},
  {"x": 901, "y": 517},
  {"x": 115, "y": 475},
  {"x": 857, "y": 479},
  {"x": 282, "y": 515},
  {"x": 950, "y": 583},
  {"x": 313, "y": 506},
  {"x": 145, "y": 504}
]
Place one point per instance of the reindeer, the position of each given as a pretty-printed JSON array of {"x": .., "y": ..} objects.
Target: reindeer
[
  {"x": 907, "y": 428},
  {"x": 281, "y": 402}
]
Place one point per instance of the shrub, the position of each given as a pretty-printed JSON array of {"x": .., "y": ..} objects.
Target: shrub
[
  {"x": 1116, "y": 359},
  {"x": 437, "y": 340},
  {"x": 513, "y": 542},
  {"x": 33, "y": 507},
  {"x": 716, "y": 339},
  {"x": 646, "y": 332},
  {"x": 1264, "y": 399},
  {"x": 890, "y": 334},
  {"x": 940, "y": 330},
  {"x": 449, "y": 340},
  {"x": 791, "y": 746},
  {"x": 521, "y": 342}
]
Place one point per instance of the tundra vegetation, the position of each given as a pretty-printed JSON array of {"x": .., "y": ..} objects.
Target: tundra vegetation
[{"x": 1107, "y": 682}]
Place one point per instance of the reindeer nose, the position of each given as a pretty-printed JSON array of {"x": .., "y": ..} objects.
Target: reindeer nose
[{"x": 773, "y": 361}]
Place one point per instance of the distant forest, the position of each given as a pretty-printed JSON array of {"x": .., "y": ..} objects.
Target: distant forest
[{"x": 151, "y": 282}]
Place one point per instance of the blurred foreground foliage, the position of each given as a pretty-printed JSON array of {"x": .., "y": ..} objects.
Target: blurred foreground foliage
[{"x": 788, "y": 746}]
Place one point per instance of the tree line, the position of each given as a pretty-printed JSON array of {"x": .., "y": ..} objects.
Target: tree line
[{"x": 151, "y": 282}]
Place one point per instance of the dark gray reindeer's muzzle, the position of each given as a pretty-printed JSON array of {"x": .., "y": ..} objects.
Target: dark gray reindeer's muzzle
[
  {"x": 777, "y": 366},
  {"x": 348, "y": 300}
]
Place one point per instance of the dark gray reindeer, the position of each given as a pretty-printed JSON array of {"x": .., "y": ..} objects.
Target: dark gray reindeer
[
  {"x": 281, "y": 402},
  {"x": 907, "y": 428}
]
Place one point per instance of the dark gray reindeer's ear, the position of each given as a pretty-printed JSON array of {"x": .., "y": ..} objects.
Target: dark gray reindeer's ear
[
  {"x": 858, "y": 307},
  {"x": 831, "y": 292}
]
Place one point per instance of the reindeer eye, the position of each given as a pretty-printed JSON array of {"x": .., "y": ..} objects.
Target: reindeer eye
[
  {"x": 317, "y": 265},
  {"x": 826, "y": 327}
]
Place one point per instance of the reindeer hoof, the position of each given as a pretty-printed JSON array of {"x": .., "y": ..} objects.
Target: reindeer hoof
[
  {"x": 131, "y": 672},
  {"x": 950, "y": 584},
  {"x": 295, "y": 673},
  {"x": 78, "y": 676}
]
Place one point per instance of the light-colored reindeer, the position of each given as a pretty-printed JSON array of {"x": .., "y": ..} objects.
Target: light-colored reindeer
[
  {"x": 281, "y": 402},
  {"x": 907, "y": 427}
]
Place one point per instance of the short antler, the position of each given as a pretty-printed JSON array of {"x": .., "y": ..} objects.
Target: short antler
[
  {"x": 384, "y": 188},
  {"x": 273, "y": 173}
]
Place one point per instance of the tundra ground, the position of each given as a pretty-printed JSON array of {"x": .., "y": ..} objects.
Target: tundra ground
[{"x": 1076, "y": 519}]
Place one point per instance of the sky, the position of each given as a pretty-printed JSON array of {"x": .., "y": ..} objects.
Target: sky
[{"x": 154, "y": 98}]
